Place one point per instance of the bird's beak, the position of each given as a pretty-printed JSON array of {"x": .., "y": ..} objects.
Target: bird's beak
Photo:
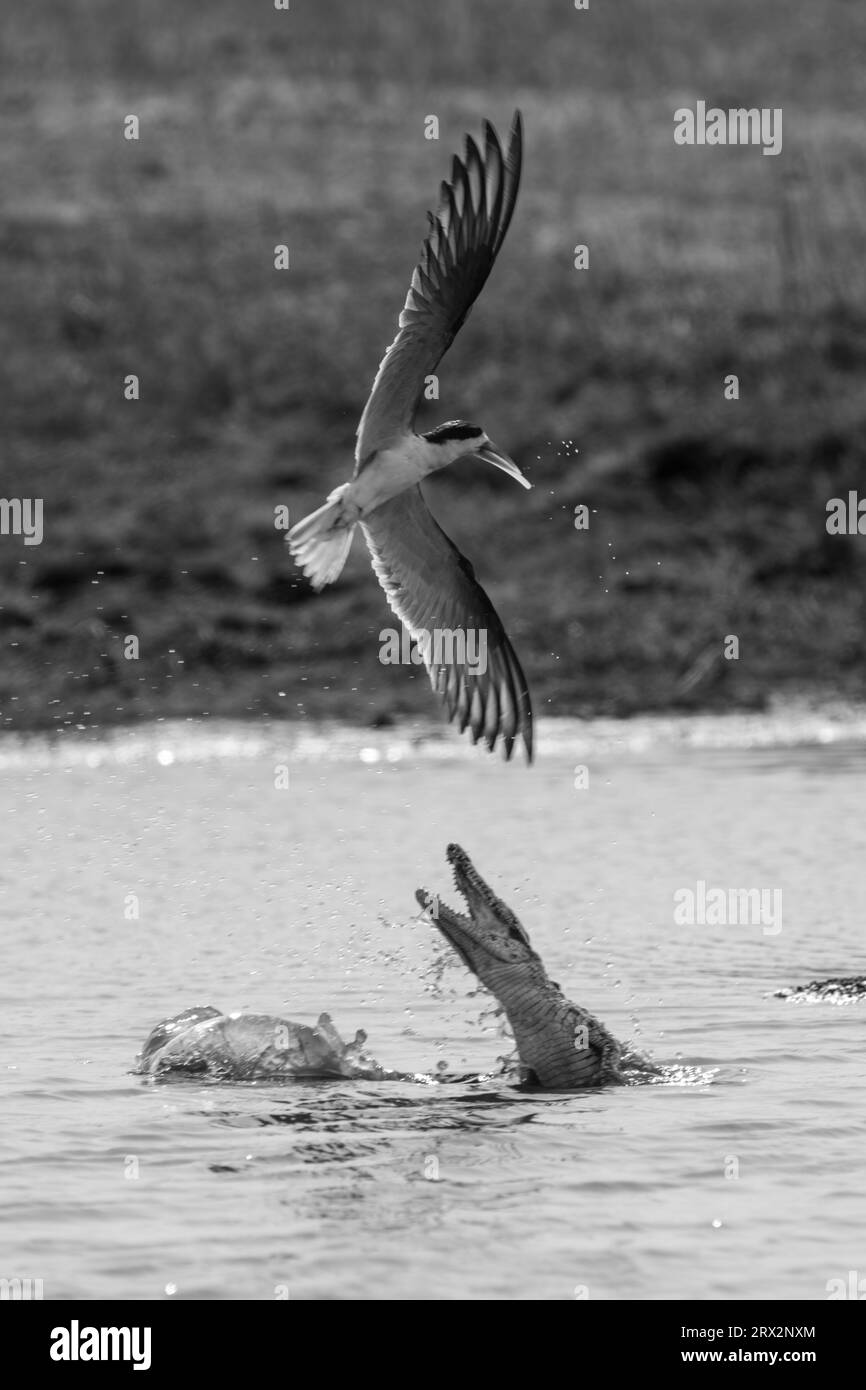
[{"x": 490, "y": 454}]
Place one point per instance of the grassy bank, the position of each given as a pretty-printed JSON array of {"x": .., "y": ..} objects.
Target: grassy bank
[{"x": 155, "y": 257}]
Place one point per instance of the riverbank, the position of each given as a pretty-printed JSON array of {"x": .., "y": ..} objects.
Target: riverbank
[{"x": 707, "y": 515}]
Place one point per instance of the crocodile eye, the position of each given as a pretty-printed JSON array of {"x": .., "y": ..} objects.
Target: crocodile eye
[{"x": 516, "y": 934}]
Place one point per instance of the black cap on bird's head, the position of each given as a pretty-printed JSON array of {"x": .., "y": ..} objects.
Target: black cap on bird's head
[
  {"x": 455, "y": 429},
  {"x": 459, "y": 439}
]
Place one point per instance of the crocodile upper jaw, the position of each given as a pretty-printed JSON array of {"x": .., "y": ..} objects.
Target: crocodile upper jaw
[{"x": 489, "y": 934}]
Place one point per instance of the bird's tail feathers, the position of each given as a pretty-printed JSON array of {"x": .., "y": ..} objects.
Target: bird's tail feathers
[{"x": 321, "y": 542}]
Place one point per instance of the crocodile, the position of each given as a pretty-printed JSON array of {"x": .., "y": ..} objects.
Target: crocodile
[
  {"x": 837, "y": 990},
  {"x": 560, "y": 1045}
]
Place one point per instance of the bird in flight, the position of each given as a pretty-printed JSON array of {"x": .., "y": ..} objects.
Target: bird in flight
[{"x": 428, "y": 583}]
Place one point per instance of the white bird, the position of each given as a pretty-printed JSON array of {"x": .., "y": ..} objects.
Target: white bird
[{"x": 427, "y": 582}]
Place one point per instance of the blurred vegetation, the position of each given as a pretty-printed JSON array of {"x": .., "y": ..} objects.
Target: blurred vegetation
[{"x": 307, "y": 127}]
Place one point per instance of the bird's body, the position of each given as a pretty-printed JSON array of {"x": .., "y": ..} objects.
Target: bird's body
[
  {"x": 400, "y": 465},
  {"x": 426, "y": 580}
]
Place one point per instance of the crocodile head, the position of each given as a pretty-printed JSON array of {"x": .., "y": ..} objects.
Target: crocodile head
[
  {"x": 559, "y": 1044},
  {"x": 489, "y": 939}
]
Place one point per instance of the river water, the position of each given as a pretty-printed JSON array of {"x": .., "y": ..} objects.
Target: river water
[{"x": 170, "y": 866}]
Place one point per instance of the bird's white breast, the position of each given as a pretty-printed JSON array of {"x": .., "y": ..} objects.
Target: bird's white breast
[{"x": 392, "y": 471}]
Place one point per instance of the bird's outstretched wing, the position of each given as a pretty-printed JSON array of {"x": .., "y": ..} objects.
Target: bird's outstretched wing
[
  {"x": 432, "y": 588},
  {"x": 456, "y": 259}
]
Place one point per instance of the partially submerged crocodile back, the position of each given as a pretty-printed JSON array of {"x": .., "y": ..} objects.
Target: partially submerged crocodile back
[
  {"x": 560, "y": 1045},
  {"x": 252, "y": 1047},
  {"x": 847, "y": 989}
]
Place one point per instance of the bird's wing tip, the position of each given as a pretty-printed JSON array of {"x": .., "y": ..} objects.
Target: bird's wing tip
[
  {"x": 510, "y": 740},
  {"x": 515, "y": 134}
]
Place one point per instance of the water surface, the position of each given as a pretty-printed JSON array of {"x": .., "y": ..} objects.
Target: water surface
[{"x": 163, "y": 868}]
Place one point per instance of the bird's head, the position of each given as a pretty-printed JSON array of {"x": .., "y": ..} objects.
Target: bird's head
[{"x": 457, "y": 439}]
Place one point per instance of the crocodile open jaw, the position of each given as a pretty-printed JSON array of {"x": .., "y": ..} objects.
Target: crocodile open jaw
[{"x": 489, "y": 932}]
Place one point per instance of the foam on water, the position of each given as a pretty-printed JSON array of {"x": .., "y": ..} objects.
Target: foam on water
[{"x": 787, "y": 725}]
